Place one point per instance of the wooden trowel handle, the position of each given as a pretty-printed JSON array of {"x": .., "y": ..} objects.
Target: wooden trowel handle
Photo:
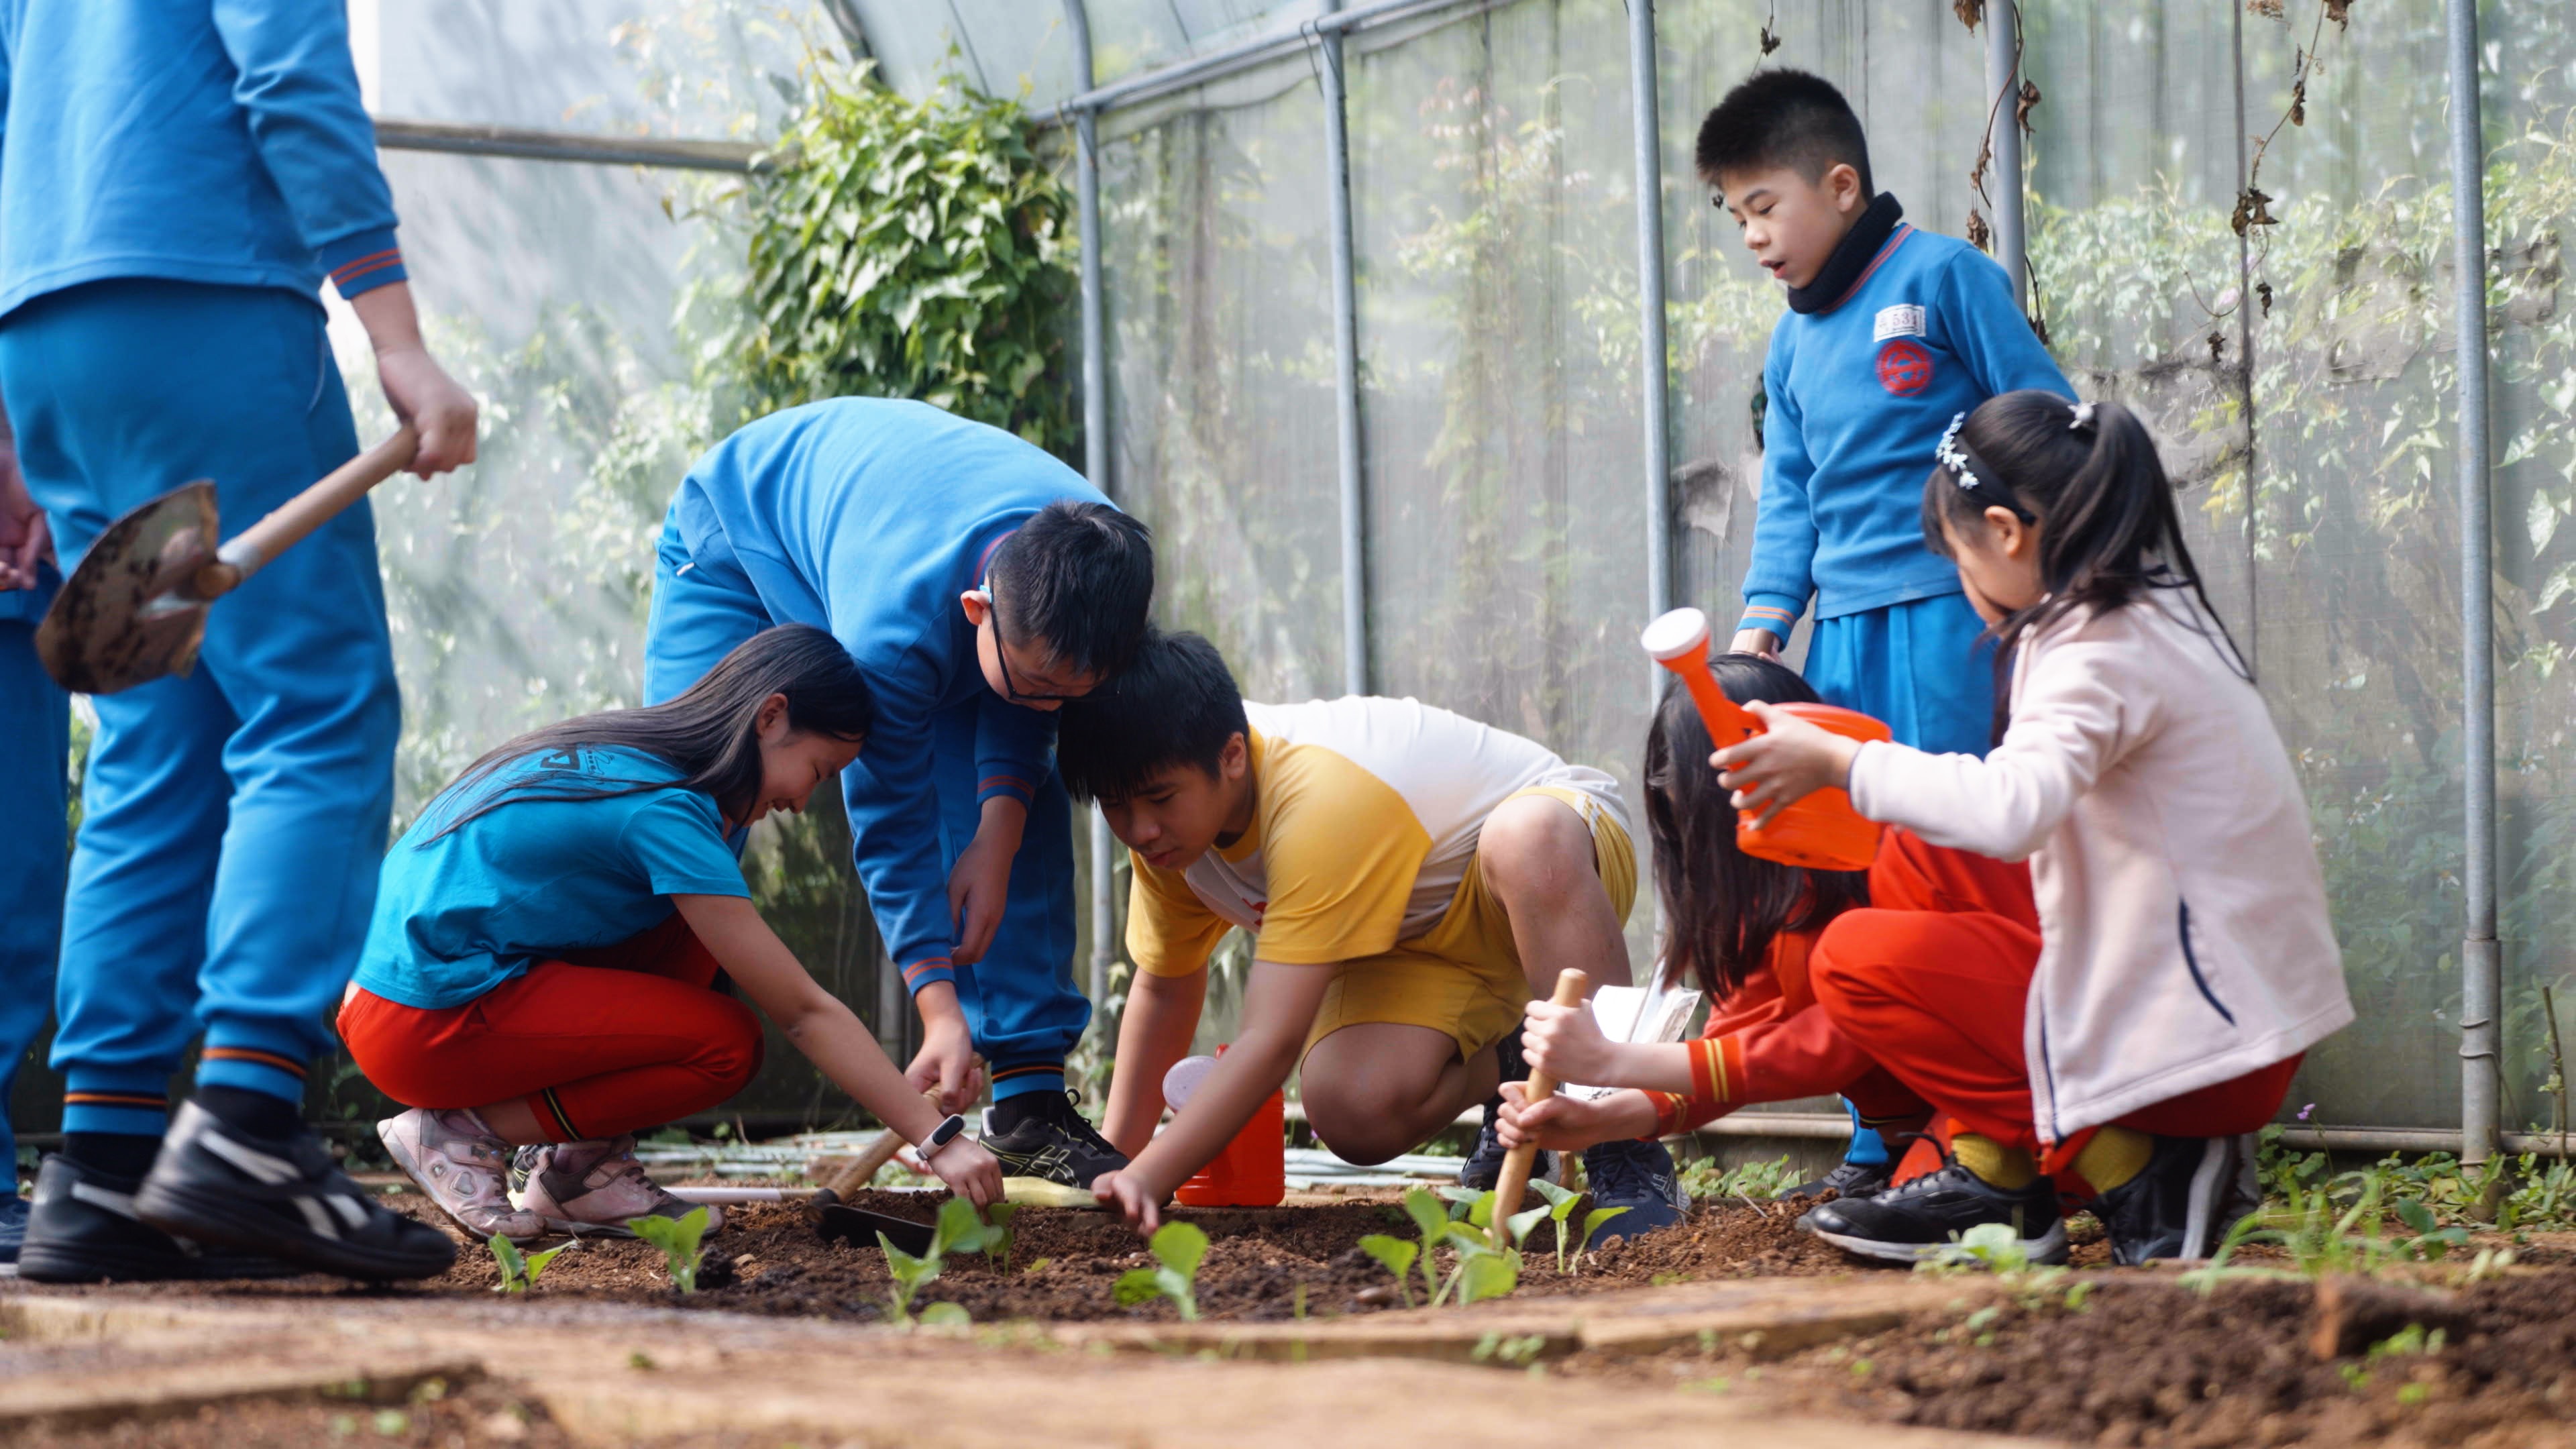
[
  {"x": 287, "y": 524},
  {"x": 1571, "y": 985},
  {"x": 880, "y": 1152}
]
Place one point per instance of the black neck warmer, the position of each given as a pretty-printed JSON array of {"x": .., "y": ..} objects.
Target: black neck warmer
[{"x": 1852, "y": 256}]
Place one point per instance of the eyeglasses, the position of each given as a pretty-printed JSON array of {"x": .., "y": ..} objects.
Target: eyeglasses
[{"x": 1011, "y": 686}]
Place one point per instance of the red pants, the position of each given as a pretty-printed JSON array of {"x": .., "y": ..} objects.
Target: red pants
[
  {"x": 1932, "y": 982},
  {"x": 629, "y": 1036}
]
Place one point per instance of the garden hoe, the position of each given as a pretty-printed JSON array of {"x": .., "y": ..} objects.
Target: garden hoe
[
  {"x": 1570, "y": 986},
  {"x": 135, "y": 609}
]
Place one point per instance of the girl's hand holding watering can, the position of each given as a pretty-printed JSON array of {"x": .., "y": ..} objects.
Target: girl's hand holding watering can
[{"x": 1790, "y": 760}]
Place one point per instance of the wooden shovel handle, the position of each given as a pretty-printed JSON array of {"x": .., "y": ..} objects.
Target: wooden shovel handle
[
  {"x": 880, "y": 1152},
  {"x": 287, "y": 524},
  {"x": 1571, "y": 987}
]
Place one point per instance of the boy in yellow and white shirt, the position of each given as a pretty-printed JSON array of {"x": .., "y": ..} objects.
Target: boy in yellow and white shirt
[{"x": 1410, "y": 878}]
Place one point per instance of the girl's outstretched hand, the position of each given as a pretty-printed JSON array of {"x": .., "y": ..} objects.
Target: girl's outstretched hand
[
  {"x": 1126, "y": 1192},
  {"x": 1566, "y": 1043},
  {"x": 970, "y": 1171},
  {"x": 1790, "y": 760}
]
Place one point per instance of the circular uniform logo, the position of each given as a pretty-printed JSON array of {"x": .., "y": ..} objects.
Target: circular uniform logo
[{"x": 1904, "y": 368}]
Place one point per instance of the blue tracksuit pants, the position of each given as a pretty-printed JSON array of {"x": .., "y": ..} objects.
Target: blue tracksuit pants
[
  {"x": 35, "y": 721},
  {"x": 232, "y": 820},
  {"x": 1919, "y": 665},
  {"x": 1020, "y": 1000}
]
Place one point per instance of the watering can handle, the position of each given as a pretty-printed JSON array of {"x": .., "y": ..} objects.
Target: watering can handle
[{"x": 290, "y": 522}]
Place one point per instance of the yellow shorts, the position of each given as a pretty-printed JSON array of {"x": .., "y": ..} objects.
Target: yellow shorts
[{"x": 1463, "y": 976}]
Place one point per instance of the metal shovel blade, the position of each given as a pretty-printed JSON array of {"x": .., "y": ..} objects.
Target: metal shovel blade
[
  {"x": 124, "y": 617},
  {"x": 859, "y": 1228}
]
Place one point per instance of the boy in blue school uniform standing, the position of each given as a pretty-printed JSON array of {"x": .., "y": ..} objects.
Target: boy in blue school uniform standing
[
  {"x": 981, "y": 584},
  {"x": 35, "y": 720},
  {"x": 177, "y": 179},
  {"x": 1891, "y": 332}
]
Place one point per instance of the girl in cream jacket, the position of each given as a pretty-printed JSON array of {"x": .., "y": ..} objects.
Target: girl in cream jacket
[{"x": 2122, "y": 1055}]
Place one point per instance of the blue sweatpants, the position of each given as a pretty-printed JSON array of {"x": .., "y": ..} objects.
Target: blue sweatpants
[
  {"x": 1021, "y": 1003},
  {"x": 1921, "y": 666},
  {"x": 232, "y": 820},
  {"x": 35, "y": 721}
]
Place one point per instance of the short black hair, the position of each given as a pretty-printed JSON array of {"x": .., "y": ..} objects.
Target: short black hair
[
  {"x": 1175, "y": 704},
  {"x": 1076, "y": 580},
  {"x": 1783, "y": 118}
]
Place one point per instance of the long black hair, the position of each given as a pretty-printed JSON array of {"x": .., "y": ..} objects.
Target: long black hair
[
  {"x": 1723, "y": 908},
  {"x": 2089, "y": 474},
  {"x": 710, "y": 732}
]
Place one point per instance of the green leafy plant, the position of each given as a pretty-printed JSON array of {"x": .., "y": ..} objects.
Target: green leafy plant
[
  {"x": 1178, "y": 1250},
  {"x": 958, "y": 1230},
  {"x": 1431, "y": 1220},
  {"x": 1561, "y": 1202},
  {"x": 908, "y": 248},
  {"x": 519, "y": 1272},
  {"x": 1396, "y": 1255},
  {"x": 1751, "y": 1181},
  {"x": 1593, "y": 1222},
  {"x": 678, "y": 1239},
  {"x": 997, "y": 1236}
]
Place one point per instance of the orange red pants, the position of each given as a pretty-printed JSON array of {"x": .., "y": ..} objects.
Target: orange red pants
[
  {"x": 1931, "y": 981},
  {"x": 600, "y": 1043}
]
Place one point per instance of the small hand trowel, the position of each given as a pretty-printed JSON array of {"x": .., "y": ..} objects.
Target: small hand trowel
[
  {"x": 135, "y": 609},
  {"x": 857, "y": 1226}
]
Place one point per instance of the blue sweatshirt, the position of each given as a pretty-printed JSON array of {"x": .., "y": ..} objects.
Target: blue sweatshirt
[
  {"x": 868, "y": 517},
  {"x": 1859, "y": 395},
  {"x": 217, "y": 141}
]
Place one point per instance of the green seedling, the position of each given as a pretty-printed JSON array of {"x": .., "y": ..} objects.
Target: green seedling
[
  {"x": 678, "y": 1239},
  {"x": 1561, "y": 1202},
  {"x": 998, "y": 1238},
  {"x": 1753, "y": 1181},
  {"x": 519, "y": 1272},
  {"x": 959, "y": 1230},
  {"x": 1480, "y": 1270},
  {"x": 1178, "y": 1249},
  {"x": 1593, "y": 1222},
  {"x": 1396, "y": 1255},
  {"x": 1432, "y": 1221}
]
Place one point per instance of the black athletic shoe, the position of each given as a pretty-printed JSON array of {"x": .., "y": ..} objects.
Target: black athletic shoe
[
  {"x": 1637, "y": 1176},
  {"x": 82, "y": 1229},
  {"x": 1040, "y": 1134},
  {"x": 1848, "y": 1179},
  {"x": 1484, "y": 1165},
  {"x": 2181, "y": 1205},
  {"x": 1924, "y": 1217},
  {"x": 13, "y": 1227},
  {"x": 218, "y": 1185}
]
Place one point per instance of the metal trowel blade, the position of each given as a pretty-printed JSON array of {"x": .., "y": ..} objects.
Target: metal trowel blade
[
  {"x": 120, "y": 620},
  {"x": 859, "y": 1228}
]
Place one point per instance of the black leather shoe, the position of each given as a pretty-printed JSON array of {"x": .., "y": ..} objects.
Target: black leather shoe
[
  {"x": 2179, "y": 1208},
  {"x": 81, "y": 1228},
  {"x": 1921, "y": 1219},
  {"x": 219, "y": 1185}
]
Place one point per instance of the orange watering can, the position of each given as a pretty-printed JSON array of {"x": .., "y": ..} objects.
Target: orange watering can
[
  {"x": 1252, "y": 1171},
  {"x": 1820, "y": 832}
]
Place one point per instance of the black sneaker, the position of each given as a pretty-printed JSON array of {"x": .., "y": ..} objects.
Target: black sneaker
[
  {"x": 1848, "y": 1179},
  {"x": 1923, "y": 1218},
  {"x": 1040, "y": 1134},
  {"x": 2181, "y": 1205},
  {"x": 217, "y": 1184},
  {"x": 81, "y": 1228},
  {"x": 1484, "y": 1165},
  {"x": 1637, "y": 1176},
  {"x": 13, "y": 1227}
]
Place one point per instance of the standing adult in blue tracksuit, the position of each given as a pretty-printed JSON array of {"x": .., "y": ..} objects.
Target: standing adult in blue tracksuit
[
  {"x": 980, "y": 583},
  {"x": 35, "y": 721},
  {"x": 177, "y": 178}
]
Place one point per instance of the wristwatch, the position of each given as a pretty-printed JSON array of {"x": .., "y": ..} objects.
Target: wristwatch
[{"x": 940, "y": 1136}]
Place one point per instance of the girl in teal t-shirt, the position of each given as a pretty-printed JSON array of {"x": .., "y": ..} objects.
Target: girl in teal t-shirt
[{"x": 541, "y": 969}]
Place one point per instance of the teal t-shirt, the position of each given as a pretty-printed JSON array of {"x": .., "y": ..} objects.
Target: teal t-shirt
[{"x": 534, "y": 878}]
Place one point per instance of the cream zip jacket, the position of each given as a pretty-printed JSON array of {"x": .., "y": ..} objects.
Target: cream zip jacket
[{"x": 2184, "y": 938}]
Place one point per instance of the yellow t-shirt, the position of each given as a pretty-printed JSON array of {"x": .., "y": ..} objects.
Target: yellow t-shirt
[{"x": 1365, "y": 818}]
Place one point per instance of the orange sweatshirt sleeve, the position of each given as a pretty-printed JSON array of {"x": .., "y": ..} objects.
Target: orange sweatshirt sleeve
[{"x": 1769, "y": 1043}]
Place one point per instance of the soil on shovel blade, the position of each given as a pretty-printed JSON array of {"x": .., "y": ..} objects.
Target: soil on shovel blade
[{"x": 1064, "y": 1263}]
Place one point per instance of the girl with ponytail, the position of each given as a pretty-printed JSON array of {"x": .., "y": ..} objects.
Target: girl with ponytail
[
  {"x": 548, "y": 965},
  {"x": 2122, "y": 1055}
]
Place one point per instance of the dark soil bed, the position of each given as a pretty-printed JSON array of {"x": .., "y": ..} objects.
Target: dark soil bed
[
  {"x": 2149, "y": 1362},
  {"x": 1064, "y": 1263}
]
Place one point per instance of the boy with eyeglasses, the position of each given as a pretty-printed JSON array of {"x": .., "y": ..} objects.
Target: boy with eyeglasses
[{"x": 980, "y": 583}]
